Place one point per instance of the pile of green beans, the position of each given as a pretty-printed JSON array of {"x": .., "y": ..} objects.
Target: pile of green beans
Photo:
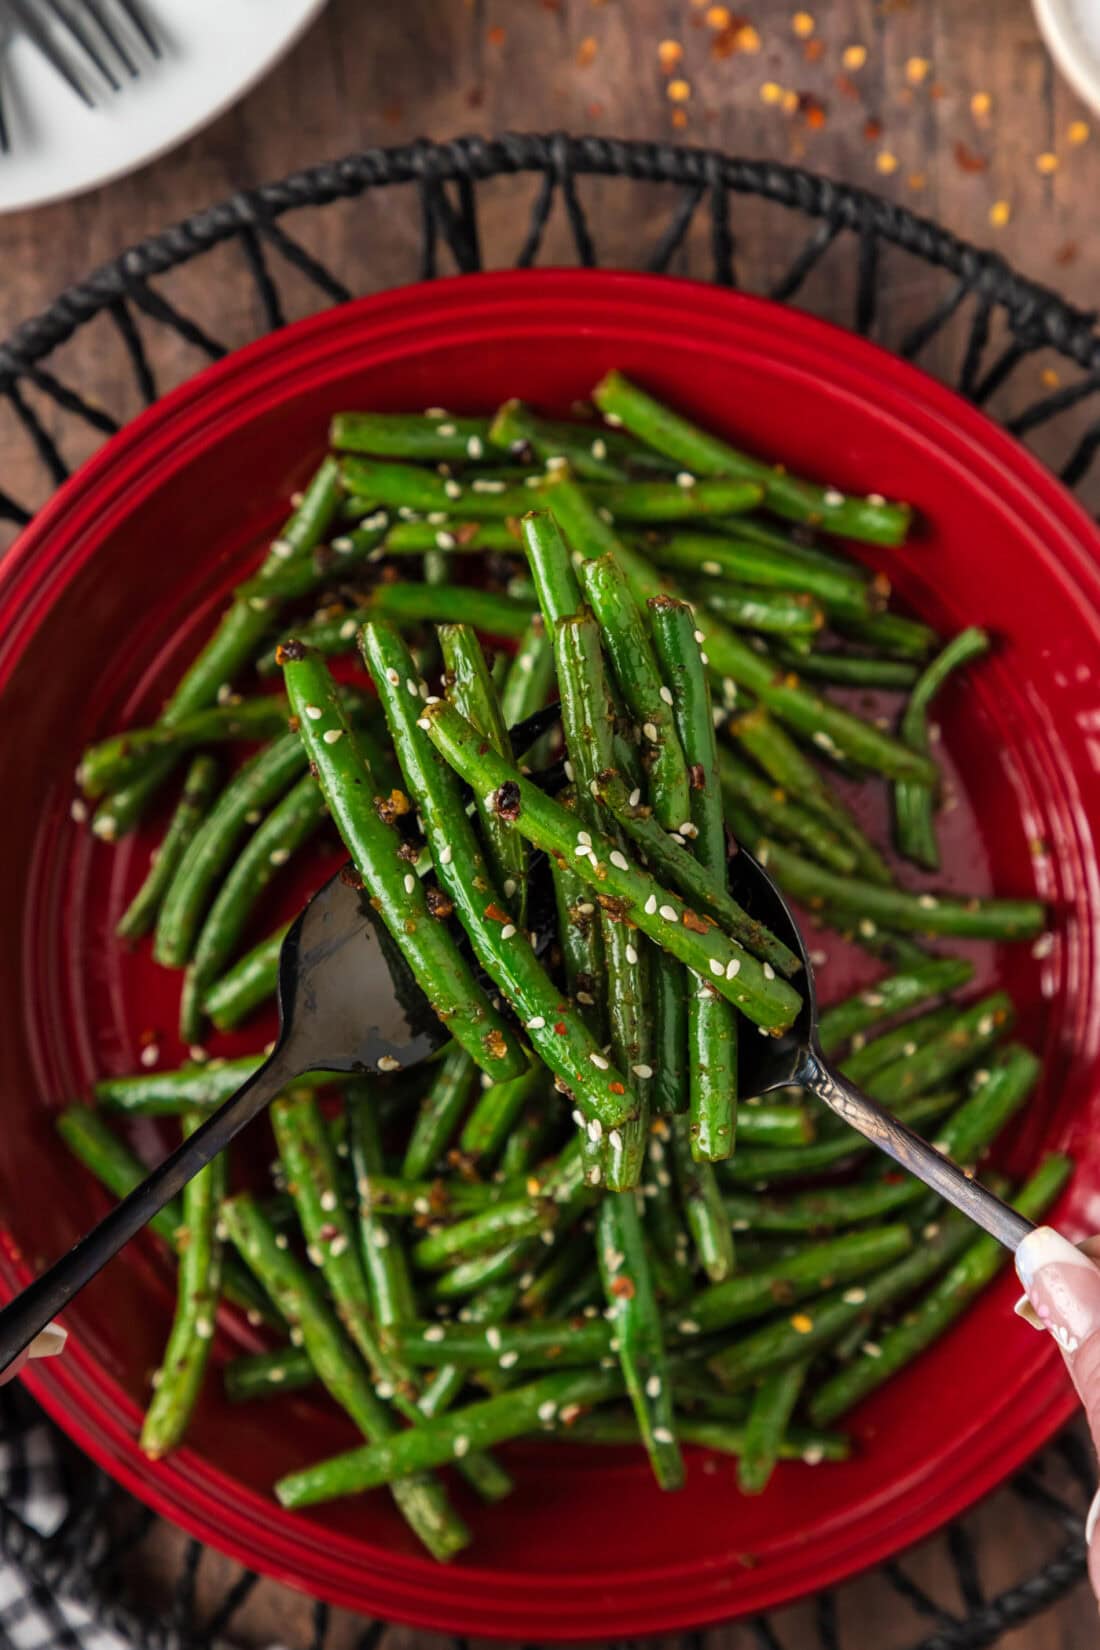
[{"x": 568, "y": 1224}]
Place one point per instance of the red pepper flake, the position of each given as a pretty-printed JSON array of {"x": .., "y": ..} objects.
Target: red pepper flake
[
  {"x": 696, "y": 924},
  {"x": 967, "y": 160},
  {"x": 438, "y": 904},
  {"x": 1067, "y": 253},
  {"x": 560, "y": 1027},
  {"x": 623, "y": 1288},
  {"x": 669, "y": 53},
  {"x": 872, "y": 129},
  {"x": 475, "y": 97},
  {"x": 617, "y": 1088},
  {"x": 496, "y": 35},
  {"x": 814, "y": 50},
  {"x": 813, "y": 110},
  {"x": 497, "y": 1045},
  {"x": 350, "y": 877},
  {"x": 392, "y": 113},
  {"x": 587, "y": 50},
  {"x": 595, "y": 111},
  {"x": 496, "y": 914}
]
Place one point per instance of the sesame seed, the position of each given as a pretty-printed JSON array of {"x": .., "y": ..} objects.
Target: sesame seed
[
  {"x": 332, "y": 736},
  {"x": 314, "y": 1255},
  {"x": 547, "y": 1411},
  {"x": 328, "y": 1200},
  {"x": 445, "y": 854},
  {"x": 651, "y": 905},
  {"x": 509, "y": 887},
  {"x": 631, "y": 955},
  {"x": 410, "y": 883},
  {"x": 452, "y": 489},
  {"x": 716, "y": 968},
  {"x": 586, "y": 908},
  {"x": 508, "y": 930},
  {"x": 434, "y": 1332},
  {"x": 684, "y": 478},
  {"x": 604, "y": 514},
  {"x": 105, "y": 826},
  {"x": 928, "y": 902},
  {"x": 150, "y": 1054},
  {"x": 688, "y": 1326},
  {"x": 585, "y": 998},
  {"x": 594, "y": 1129},
  {"x": 1043, "y": 946},
  {"x": 484, "y": 485},
  {"x": 855, "y": 1297},
  {"x": 985, "y": 1025},
  {"x": 669, "y": 913},
  {"x": 314, "y": 712},
  {"x": 282, "y": 549},
  {"x": 348, "y": 629},
  {"x": 598, "y": 1061},
  {"x": 833, "y": 497},
  {"x": 872, "y": 1349},
  {"x": 507, "y": 1359},
  {"x": 388, "y": 1063},
  {"x": 615, "y": 1140},
  {"x": 594, "y": 1175},
  {"x": 634, "y": 798},
  {"x": 661, "y": 1435},
  {"x": 282, "y": 1241},
  {"x": 867, "y": 928},
  {"x": 535, "y": 1023},
  {"x": 642, "y": 1070},
  {"x": 714, "y": 568},
  {"x": 78, "y": 810},
  {"x": 666, "y": 694},
  {"x": 393, "y": 676},
  {"x": 424, "y": 722},
  {"x": 446, "y": 429},
  {"x": 445, "y": 541},
  {"x": 474, "y": 446},
  {"x": 461, "y": 1446},
  {"x": 578, "y": 1117},
  {"x": 338, "y": 1244},
  {"x": 650, "y": 731},
  {"x": 653, "y": 1387},
  {"x": 619, "y": 860}
]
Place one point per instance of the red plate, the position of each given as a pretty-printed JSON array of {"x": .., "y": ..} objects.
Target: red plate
[{"x": 110, "y": 590}]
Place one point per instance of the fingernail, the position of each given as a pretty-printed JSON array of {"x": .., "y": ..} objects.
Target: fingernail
[
  {"x": 1090, "y": 1521},
  {"x": 48, "y": 1342},
  {"x": 1063, "y": 1286},
  {"x": 1024, "y": 1309}
]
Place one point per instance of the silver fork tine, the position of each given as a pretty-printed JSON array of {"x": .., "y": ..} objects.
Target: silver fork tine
[
  {"x": 134, "y": 13},
  {"x": 83, "y": 39},
  {"x": 108, "y": 30},
  {"x": 26, "y": 15}
]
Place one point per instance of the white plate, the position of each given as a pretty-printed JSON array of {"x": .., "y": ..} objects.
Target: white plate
[
  {"x": 212, "y": 52},
  {"x": 1071, "y": 29}
]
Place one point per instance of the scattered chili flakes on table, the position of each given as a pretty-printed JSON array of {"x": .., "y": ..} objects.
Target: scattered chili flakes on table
[
  {"x": 770, "y": 92},
  {"x": 1077, "y": 132},
  {"x": 496, "y": 35},
  {"x": 669, "y": 53},
  {"x": 814, "y": 50},
  {"x": 1046, "y": 163},
  {"x": 587, "y": 50},
  {"x": 980, "y": 105},
  {"x": 872, "y": 129},
  {"x": 968, "y": 160},
  {"x": 803, "y": 24},
  {"x": 885, "y": 162},
  {"x": 678, "y": 91},
  {"x": 1049, "y": 378},
  {"x": 999, "y": 214},
  {"x": 916, "y": 70},
  {"x": 854, "y": 57}
]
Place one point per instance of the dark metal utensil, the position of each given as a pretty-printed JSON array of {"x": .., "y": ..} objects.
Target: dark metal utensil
[
  {"x": 795, "y": 1059},
  {"x": 347, "y": 1001}
]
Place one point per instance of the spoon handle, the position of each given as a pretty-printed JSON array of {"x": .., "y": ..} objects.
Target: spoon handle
[
  {"x": 885, "y": 1131},
  {"x": 29, "y": 1313}
]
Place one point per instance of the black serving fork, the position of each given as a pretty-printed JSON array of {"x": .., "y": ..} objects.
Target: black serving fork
[{"x": 89, "y": 43}]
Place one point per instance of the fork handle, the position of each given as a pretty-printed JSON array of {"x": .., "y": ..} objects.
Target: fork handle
[
  {"x": 899, "y": 1141},
  {"x": 30, "y": 1312}
]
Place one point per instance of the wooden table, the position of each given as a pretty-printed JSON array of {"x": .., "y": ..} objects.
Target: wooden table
[{"x": 945, "y": 106}]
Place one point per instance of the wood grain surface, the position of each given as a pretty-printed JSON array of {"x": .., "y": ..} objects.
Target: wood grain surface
[{"x": 945, "y": 106}]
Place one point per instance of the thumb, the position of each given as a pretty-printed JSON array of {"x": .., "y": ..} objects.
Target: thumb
[{"x": 1062, "y": 1285}]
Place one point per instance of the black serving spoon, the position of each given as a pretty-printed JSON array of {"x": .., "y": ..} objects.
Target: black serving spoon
[{"x": 348, "y": 1002}]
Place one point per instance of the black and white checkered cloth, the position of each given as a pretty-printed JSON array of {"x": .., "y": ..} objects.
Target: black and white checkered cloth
[{"x": 38, "y": 1606}]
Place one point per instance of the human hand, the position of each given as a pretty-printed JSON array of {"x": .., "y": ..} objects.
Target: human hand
[{"x": 1063, "y": 1296}]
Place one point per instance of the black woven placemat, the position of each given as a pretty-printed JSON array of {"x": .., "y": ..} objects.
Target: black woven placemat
[{"x": 998, "y": 322}]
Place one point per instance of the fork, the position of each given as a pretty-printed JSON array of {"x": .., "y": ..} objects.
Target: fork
[{"x": 100, "y": 39}]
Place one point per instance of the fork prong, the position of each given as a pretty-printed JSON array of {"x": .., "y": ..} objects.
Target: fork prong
[
  {"x": 140, "y": 22},
  {"x": 5, "y": 142},
  {"x": 84, "y": 40},
  {"x": 110, "y": 33},
  {"x": 33, "y": 26}
]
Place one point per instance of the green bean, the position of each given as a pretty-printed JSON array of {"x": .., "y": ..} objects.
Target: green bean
[
  {"x": 938, "y": 1059},
  {"x": 530, "y": 674},
  {"x": 286, "y": 829},
  {"x": 425, "y": 537},
  {"x": 796, "y": 542},
  {"x": 775, "y": 612},
  {"x": 334, "y": 561},
  {"x": 114, "y": 762},
  {"x": 439, "y": 1114},
  {"x": 669, "y": 501},
  {"x": 178, "y": 1381},
  {"x": 672, "y": 861},
  {"x": 168, "y": 1093},
  {"x": 492, "y": 1421},
  {"x": 891, "y": 633},
  {"x": 839, "y": 592},
  {"x": 701, "y": 1201},
  {"x": 768, "y": 1001},
  {"x": 800, "y": 1443},
  {"x": 439, "y": 1199},
  {"x": 499, "y": 1266},
  {"x": 997, "y": 1093},
  {"x": 822, "y": 1210},
  {"x": 523, "y": 1347},
  {"x": 484, "y": 1233},
  {"x": 571, "y": 1261},
  {"x": 798, "y": 1277},
  {"x": 417, "y": 436},
  {"x": 785, "y": 817},
  {"x": 262, "y": 781},
  {"x": 250, "y": 982},
  {"x": 114, "y": 1165},
  {"x": 849, "y": 669},
  {"x": 470, "y": 687},
  {"x": 974, "y": 1269},
  {"x": 872, "y": 520},
  {"x": 348, "y": 787},
  {"x": 669, "y": 1087},
  {"x": 268, "y": 1374},
  {"x": 993, "y": 919},
  {"x": 771, "y": 746},
  {"x": 404, "y": 486},
  {"x": 194, "y": 802},
  {"x": 494, "y": 1115},
  {"x": 381, "y": 1250},
  {"x": 581, "y": 941},
  {"x": 775, "y": 1123},
  {"x": 231, "y": 646},
  {"x": 557, "y": 1033},
  {"x": 754, "y": 1164},
  {"x": 584, "y": 447},
  {"x": 893, "y": 995},
  {"x": 767, "y": 1426},
  {"x": 821, "y": 1322},
  {"x": 632, "y": 659},
  {"x": 302, "y": 1303},
  {"x": 632, "y": 1314},
  {"x": 532, "y": 1136},
  {"x": 914, "y": 805},
  {"x": 865, "y": 1059}
]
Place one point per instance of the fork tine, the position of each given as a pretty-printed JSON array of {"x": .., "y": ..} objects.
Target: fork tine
[
  {"x": 84, "y": 40},
  {"x": 108, "y": 30},
  {"x": 5, "y": 143},
  {"x": 32, "y": 24},
  {"x": 140, "y": 23}
]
